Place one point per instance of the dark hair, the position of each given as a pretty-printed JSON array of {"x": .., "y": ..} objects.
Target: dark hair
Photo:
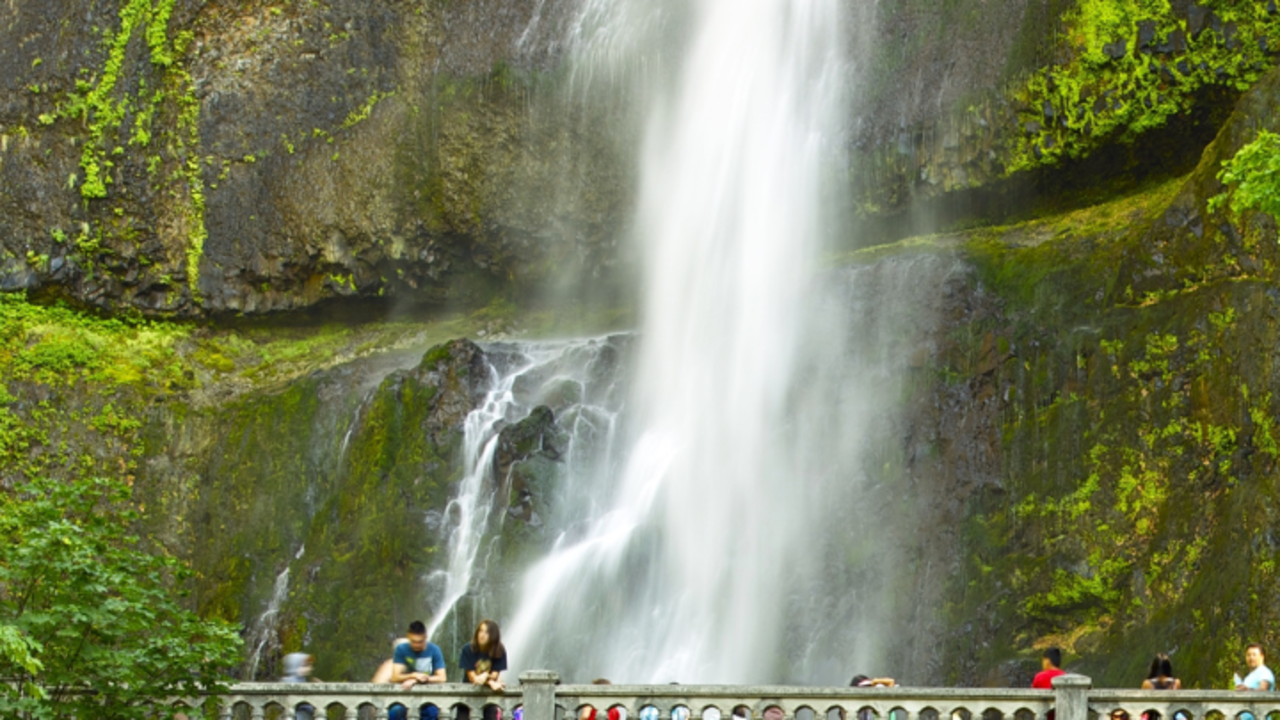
[
  {"x": 417, "y": 628},
  {"x": 1054, "y": 656},
  {"x": 1251, "y": 646},
  {"x": 1161, "y": 666},
  {"x": 858, "y": 680},
  {"x": 601, "y": 681},
  {"x": 494, "y": 649}
]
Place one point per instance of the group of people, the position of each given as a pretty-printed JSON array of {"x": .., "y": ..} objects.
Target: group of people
[
  {"x": 1161, "y": 675},
  {"x": 417, "y": 661}
]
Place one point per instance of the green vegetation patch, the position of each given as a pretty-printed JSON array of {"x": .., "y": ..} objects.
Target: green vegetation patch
[
  {"x": 82, "y": 593},
  {"x": 56, "y": 345},
  {"x": 1252, "y": 177},
  {"x": 1138, "y": 444},
  {"x": 1133, "y": 64}
]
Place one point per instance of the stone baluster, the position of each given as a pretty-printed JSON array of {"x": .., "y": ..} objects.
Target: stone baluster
[
  {"x": 539, "y": 687},
  {"x": 1072, "y": 696},
  {"x": 257, "y": 710}
]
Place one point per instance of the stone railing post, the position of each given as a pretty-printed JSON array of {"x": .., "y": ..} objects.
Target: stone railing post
[
  {"x": 1072, "y": 697},
  {"x": 539, "y": 688}
]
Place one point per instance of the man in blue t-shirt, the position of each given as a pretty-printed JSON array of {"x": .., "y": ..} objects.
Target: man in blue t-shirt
[{"x": 417, "y": 662}]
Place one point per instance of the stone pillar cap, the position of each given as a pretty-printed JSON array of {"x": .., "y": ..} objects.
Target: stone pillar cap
[{"x": 1073, "y": 680}]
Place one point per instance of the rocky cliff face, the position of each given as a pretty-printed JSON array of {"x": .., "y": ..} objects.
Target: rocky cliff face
[
  {"x": 195, "y": 158},
  {"x": 1111, "y": 487},
  {"x": 1091, "y": 425},
  {"x": 191, "y": 157}
]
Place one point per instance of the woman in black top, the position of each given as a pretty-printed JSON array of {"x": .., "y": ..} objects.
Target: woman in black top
[
  {"x": 483, "y": 659},
  {"x": 1161, "y": 675}
]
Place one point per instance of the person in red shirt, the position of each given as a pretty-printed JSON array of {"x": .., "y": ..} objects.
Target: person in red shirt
[{"x": 1051, "y": 663}]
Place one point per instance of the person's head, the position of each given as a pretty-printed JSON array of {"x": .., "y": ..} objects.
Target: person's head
[
  {"x": 1051, "y": 659},
  {"x": 297, "y": 664},
  {"x": 1161, "y": 667},
  {"x": 488, "y": 639},
  {"x": 1254, "y": 657},
  {"x": 601, "y": 681},
  {"x": 860, "y": 681},
  {"x": 417, "y": 636}
]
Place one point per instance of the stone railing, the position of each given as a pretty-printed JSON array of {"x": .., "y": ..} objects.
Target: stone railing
[{"x": 540, "y": 697}]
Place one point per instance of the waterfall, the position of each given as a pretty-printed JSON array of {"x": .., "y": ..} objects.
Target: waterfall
[
  {"x": 692, "y": 572},
  {"x": 522, "y": 376},
  {"x": 264, "y": 633}
]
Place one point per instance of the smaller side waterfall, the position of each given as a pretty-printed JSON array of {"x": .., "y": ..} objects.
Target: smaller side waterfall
[
  {"x": 575, "y": 384},
  {"x": 475, "y": 498},
  {"x": 264, "y": 635}
]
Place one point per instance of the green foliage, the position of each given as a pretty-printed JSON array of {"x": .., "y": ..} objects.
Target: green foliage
[
  {"x": 1253, "y": 177},
  {"x": 57, "y": 346},
  {"x": 189, "y": 142},
  {"x": 90, "y": 624},
  {"x": 1099, "y": 22},
  {"x": 102, "y": 106},
  {"x": 362, "y": 113},
  {"x": 1092, "y": 97}
]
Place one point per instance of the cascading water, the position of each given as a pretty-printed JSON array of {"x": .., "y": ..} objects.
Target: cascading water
[
  {"x": 691, "y": 574},
  {"x": 264, "y": 632},
  {"x": 563, "y": 377}
]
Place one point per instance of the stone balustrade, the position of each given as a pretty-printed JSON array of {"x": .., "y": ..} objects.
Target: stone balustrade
[{"x": 541, "y": 697}]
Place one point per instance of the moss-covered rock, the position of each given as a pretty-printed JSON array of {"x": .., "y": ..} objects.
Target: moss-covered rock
[
  {"x": 1120, "y": 359},
  {"x": 188, "y": 159}
]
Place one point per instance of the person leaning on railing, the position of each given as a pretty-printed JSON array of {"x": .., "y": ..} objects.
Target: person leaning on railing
[
  {"x": 1260, "y": 676},
  {"x": 482, "y": 661},
  {"x": 415, "y": 662},
  {"x": 1161, "y": 677}
]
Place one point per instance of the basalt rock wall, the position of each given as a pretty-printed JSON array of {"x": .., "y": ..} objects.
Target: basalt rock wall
[
  {"x": 189, "y": 158},
  {"x": 1100, "y": 441},
  {"x": 195, "y": 158}
]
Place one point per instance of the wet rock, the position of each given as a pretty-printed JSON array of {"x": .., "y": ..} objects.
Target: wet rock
[
  {"x": 1146, "y": 36},
  {"x": 1115, "y": 50},
  {"x": 527, "y": 463},
  {"x": 1174, "y": 44},
  {"x": 1198, "y": 20}
]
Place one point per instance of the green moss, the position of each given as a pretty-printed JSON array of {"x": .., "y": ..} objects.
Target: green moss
[
  {"x": 437, "y": 355},
  {"x": 1073, "y": 107},
  {"x": 1135, "y": 440},
  {"x": 362, "y": 113},
  {"x": 1252, "y": 177},
  {"x": 98, "y": 104}
]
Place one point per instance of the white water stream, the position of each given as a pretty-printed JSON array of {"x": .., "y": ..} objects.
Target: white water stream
[
  {"x": 522, "y": 377},
  {"x": 689, "y": 574}
]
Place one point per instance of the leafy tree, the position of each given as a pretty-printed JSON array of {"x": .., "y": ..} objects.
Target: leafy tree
[
  {"x": 1254, "y": 177},
  {"x": 90, "y": 623}
]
